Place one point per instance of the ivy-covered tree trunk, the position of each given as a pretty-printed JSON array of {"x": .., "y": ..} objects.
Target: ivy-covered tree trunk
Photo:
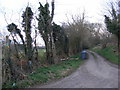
[
  {"x": 50, "y": 52},
  {"x": 49, "y": 55},
  {"x": 45, "y": 29},
  {"x": 66, "y": 46},
  {"x": 53, "y": 49},
  {"x": 27, "y": 18}
]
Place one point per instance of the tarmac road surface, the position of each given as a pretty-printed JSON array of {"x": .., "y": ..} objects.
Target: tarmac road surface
[{"x": 96, "y": 72}]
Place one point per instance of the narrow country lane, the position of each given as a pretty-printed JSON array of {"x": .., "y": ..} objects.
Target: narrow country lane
[{"x": 94, "y": 73}]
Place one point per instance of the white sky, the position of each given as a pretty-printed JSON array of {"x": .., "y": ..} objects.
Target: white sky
[{"x": 14, "y": 8}]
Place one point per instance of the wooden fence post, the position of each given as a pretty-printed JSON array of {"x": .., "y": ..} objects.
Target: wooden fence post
[{"x": 0, "y": 64}]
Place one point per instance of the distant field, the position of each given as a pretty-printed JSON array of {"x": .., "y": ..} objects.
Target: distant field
[
  {"x": 41, "y": 50},
  {"x": 42, "y": 55}
]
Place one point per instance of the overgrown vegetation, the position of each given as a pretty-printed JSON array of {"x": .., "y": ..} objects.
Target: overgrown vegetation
[
  {"x": 110, "y": 53},
  {"x": 47, "y": 73}
]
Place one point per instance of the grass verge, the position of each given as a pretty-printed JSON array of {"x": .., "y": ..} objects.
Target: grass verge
[
  {"x": 110, "y": 53},
  {"x": 45, "y": 74}
]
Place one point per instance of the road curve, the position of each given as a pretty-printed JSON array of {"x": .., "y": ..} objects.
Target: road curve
[{"x": 94, "y": 73}]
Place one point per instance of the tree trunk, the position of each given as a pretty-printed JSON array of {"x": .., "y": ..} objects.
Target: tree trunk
[
  {"x": 29, "y": 53},
  {"x": 49, "y": 55},
  {"x": 8, "y": 59},
  {"x": 81, "y": 45},
  {"x": 55, "y": 59}
]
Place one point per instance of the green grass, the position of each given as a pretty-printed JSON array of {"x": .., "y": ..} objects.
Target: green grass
[
  {"x": 108, "y": 53},
  {"x": 45, "y": 74}
]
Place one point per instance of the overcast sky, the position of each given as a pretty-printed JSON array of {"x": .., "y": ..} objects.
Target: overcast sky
[{"x": 12, "y": 10}]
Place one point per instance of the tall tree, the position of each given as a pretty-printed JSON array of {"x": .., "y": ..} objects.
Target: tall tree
[
  {"x": 60, "y": 39},
  {"x": 113, "y": 22},
  {"x": 77, "y": 33},
  {"x": 45, "y": 29},
  {"x": 26, "y": 23}
]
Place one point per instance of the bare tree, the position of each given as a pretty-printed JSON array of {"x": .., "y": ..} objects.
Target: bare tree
[{"x": 77, "y": 32}]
